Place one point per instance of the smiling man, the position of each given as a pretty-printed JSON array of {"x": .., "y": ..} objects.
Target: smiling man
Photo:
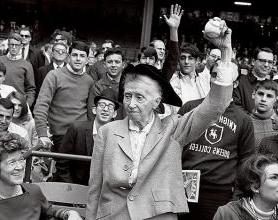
[
  {"x": 242, "y": 95},
  {"x": 79, "y": 139},
  {"x": 113, "y": 59},
  {"x": 63, "y": 96}
]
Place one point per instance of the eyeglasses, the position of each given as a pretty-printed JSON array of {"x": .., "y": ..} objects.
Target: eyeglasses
[
  {"x": 25, "y": 36},
  {"x": 264, "y": 61},
  {"x": 14, "y": 45},
  {"x": 102, "y": 105},
  {"x": 60, "y": 51}
]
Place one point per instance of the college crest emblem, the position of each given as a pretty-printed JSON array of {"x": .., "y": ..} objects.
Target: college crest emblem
[{"x": 214, "y": 134}]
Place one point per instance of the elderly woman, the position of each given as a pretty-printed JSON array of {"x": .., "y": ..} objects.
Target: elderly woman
[
  {"x": 19, "y": 200},
  {"x": 258, "y": 181},
  {"x": 136, "y": 163}
]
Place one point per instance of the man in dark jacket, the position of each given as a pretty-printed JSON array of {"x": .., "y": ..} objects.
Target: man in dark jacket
[
  {"x": 79, "y": 139},
  {"x": 242, "y": 95}
]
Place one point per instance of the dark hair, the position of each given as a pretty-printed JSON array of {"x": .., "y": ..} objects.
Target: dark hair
[
  {"x": 23, "y": 102},
  {"x": 264, "y": 49},
  {"x": 267, "y": 84},
  {"x": 111, "y": 51},
  {"x": 25, "y": 28},
  {"x": 11, "y": 142},
  {"x": 108, "y": 41},
  {"x": 251, "y": 171},
  {"x": 6, "y": 103},
  {"x": 3, "y": 68},
  {"x": 79, "y": 45}
]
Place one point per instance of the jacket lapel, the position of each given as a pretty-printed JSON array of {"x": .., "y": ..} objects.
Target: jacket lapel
[
  {"x": 153, "y": 137},
  {"x": 89, "y": 141},
  {"x": 123, "y": 139}
]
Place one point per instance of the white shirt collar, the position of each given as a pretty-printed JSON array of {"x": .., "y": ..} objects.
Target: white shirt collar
[
  {"x": 75, "y": 73},
  {"x": 94, "y": 128}
]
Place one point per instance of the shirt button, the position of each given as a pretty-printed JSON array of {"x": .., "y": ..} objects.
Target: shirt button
[
  {"x": 125, "y": 167},
  {"x": 131, "y": 197}
]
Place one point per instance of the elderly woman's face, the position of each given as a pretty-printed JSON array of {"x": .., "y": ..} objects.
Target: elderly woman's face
[
  {"x": 12, "y": 167},
  {"x": 268, "y": 190},
  {"x": 140, "y": 99}
]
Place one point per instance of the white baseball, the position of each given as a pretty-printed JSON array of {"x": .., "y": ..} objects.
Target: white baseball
[{"x": 213, "y": 28}]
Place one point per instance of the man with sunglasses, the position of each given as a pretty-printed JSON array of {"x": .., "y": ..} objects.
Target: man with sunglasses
[
  {"x": 27, "y": 49},
  {"x": 79, "y": 139},
  {"x": 19, "y": 72},
  {"x": 242, "y": 95}
]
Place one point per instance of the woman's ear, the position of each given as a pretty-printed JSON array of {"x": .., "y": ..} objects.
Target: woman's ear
[{"x": 157, "y": 102}]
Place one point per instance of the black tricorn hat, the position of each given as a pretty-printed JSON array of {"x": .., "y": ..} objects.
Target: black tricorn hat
[
  {"x": 109, "y": 94},
  {"x": 169, "y": 96}
]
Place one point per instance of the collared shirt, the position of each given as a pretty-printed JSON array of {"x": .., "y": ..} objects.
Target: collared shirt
[
  {"x": 56, "y": 66},
  {"x": 74, "y": 72},
  {"x": 137, "y": 140},
  {"x": 190, "y": 87},
  {"x": 25, "y": 50},
  {"x": 94, "y": 129}
]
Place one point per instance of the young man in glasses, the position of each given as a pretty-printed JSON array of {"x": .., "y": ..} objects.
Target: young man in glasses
[
  {"x": 79, "y": 139},
  {"x": 242, "y": 95},
  {"x": 19, "y": 72}
]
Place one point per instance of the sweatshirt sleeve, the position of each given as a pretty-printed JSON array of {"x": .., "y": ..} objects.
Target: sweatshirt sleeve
[
  {"x": 45, "y": 97},
  {"x": 29, "y": 84},
  {"x": 246, "y": 141}
]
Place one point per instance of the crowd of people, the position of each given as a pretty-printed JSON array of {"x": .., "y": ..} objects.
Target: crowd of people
[{"x": 142, "y": 122}]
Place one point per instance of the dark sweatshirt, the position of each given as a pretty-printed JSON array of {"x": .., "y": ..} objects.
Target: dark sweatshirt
[{"x": 221, "y": 148}]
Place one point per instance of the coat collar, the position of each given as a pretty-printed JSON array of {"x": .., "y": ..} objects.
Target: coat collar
[{"x": 152, "y": 139}]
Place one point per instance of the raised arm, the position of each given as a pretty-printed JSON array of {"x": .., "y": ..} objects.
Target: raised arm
[
  {"x": 171, "y": 61},
  {"x": 193, "y": 124}
]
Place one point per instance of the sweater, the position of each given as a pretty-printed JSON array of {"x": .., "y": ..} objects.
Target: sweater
[
  {"x": 223, "y": 146},
  {"x": 269, "y": 145},
  {"x": 20, "y": 75},
  {"x": 31, "y": 205},
  {"x": 61, "y": 101},
  {"x": 262, "y": 128}
]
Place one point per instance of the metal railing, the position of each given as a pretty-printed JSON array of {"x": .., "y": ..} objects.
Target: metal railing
[{"x": 29, "y": 159}]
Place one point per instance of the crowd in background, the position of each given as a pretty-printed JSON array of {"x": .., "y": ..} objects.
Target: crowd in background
[{"x": 56, "y": 96}]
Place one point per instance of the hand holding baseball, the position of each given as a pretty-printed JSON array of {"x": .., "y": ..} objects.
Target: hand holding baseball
[{"x": 217, "y": 32}]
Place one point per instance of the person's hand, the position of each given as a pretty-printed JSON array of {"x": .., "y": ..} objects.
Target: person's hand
[
  {"x": 225, "y": 38},
  {"x": 73, "y": 215},
  {"x": 46, "y": 142},
  {"x": 175, "y": 16}
]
